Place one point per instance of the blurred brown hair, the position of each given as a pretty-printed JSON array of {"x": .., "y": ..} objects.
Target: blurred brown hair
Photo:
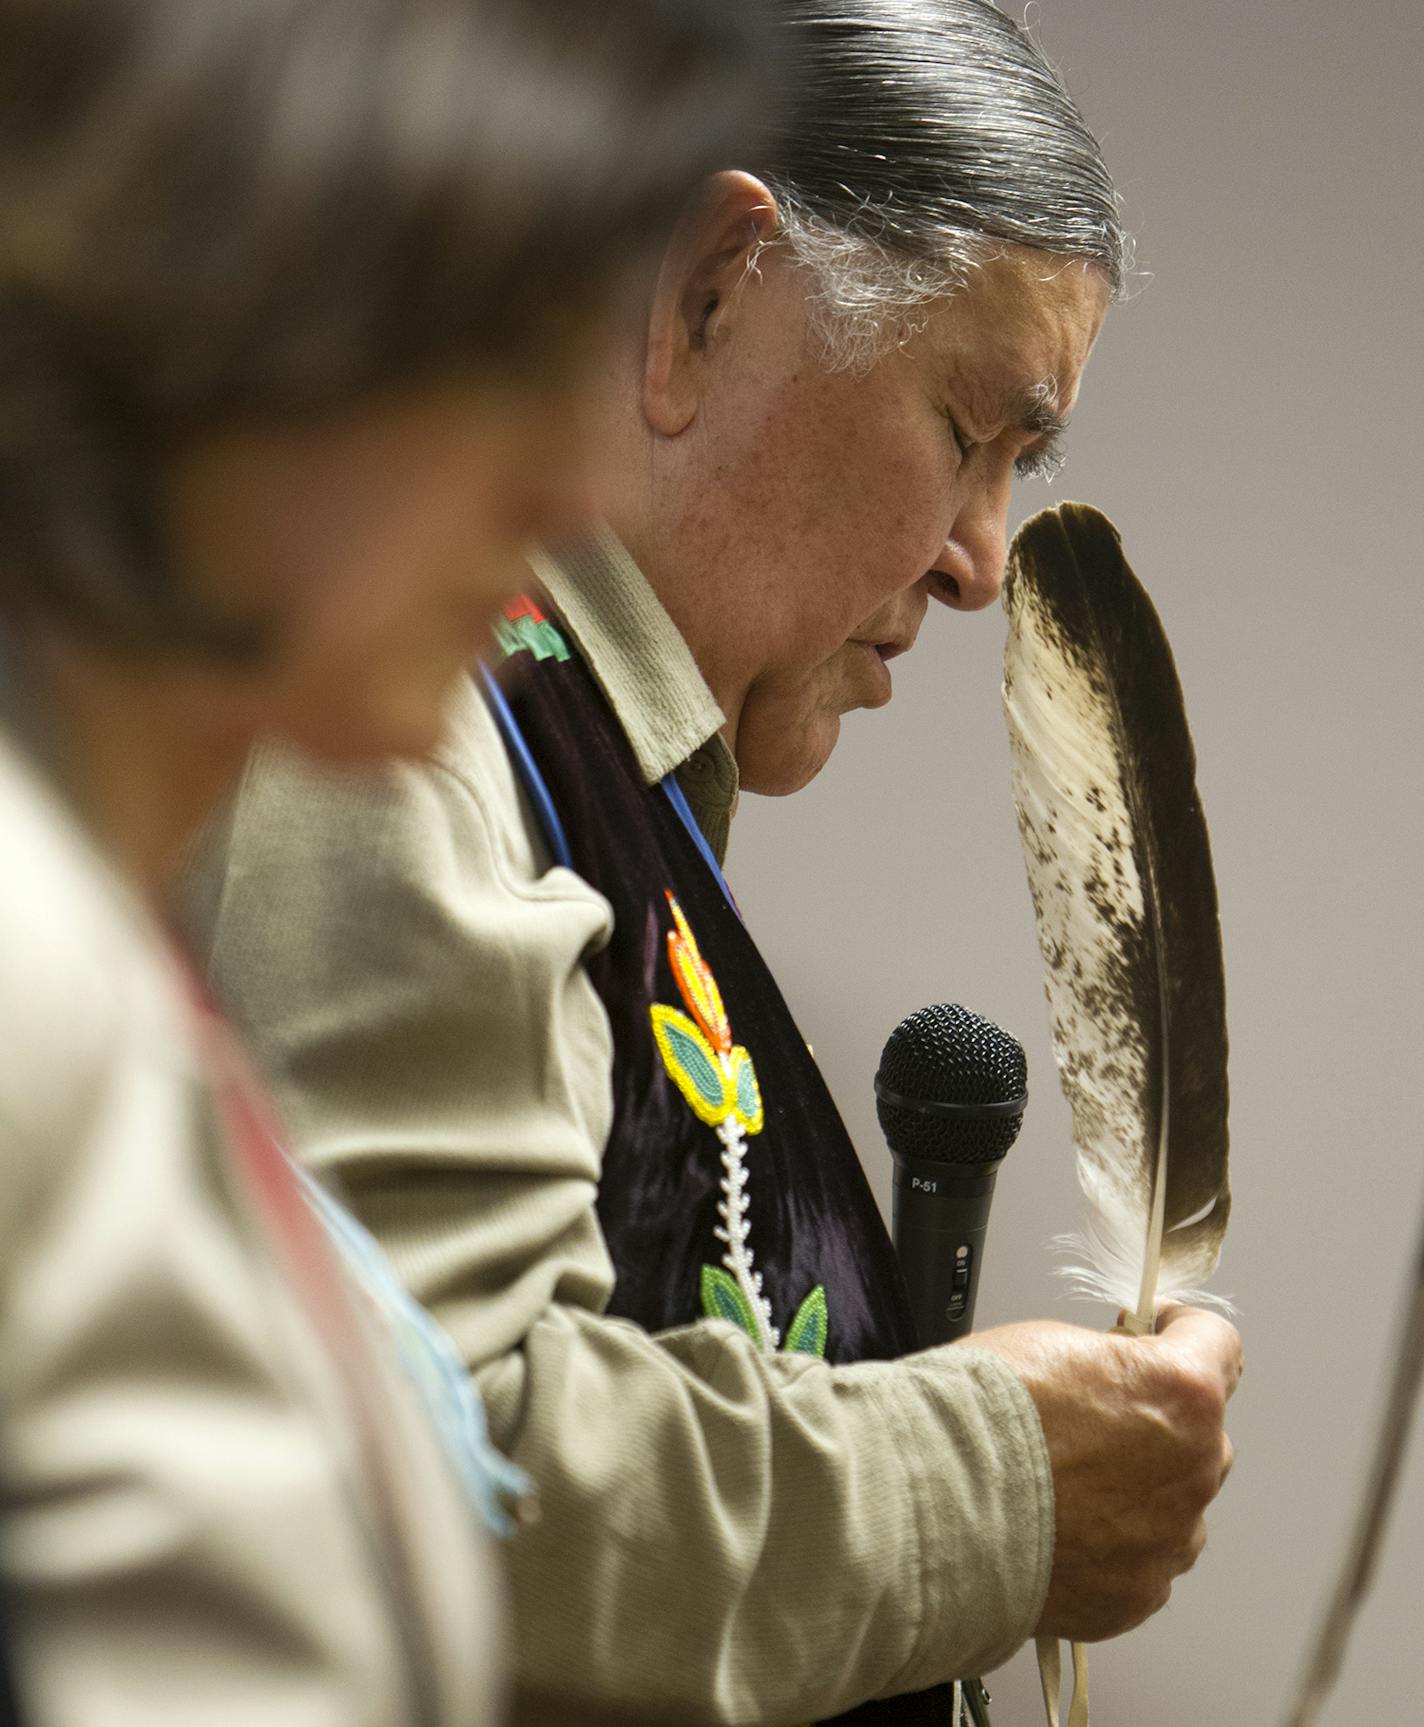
[{"x": 221, "y": 208}]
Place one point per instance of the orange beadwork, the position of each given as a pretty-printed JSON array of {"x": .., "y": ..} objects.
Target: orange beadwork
[{"x": 695, "y": 982}]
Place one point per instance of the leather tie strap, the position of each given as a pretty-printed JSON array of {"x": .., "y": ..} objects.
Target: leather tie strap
[{"x": 1050, "y": 1673}]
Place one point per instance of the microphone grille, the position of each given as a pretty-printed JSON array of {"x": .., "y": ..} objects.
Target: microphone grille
[{"x": 947, "y": 1055}]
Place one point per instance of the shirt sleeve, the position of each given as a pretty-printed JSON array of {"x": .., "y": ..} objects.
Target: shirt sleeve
[{"x": 725, "y": 1535}]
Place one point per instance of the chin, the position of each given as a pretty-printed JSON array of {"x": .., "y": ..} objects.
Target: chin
[
  {"x": 404, "y": 722},
  {"x": 358, "y": 745},
  {"x": 774, "y": 767}
]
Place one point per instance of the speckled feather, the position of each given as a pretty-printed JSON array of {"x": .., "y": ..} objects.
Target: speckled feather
[{"x": 1119, "y": 866}]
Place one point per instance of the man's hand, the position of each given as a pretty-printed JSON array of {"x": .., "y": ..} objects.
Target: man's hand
[{"x": 1138, "y": 1449}]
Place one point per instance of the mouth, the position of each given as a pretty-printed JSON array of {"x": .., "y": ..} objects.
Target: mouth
[
  {"x": 888, "y": 647},
  {"x": 875, "y": 658}
]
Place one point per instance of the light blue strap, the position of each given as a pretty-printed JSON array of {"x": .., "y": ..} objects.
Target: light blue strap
[{"x": 431, "y": 1363}]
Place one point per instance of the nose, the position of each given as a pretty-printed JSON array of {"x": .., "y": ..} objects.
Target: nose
[{"x": 971, "y": 562}]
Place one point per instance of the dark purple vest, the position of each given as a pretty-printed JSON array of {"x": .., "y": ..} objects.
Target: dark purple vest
[{"x": 687, "y": 1113}]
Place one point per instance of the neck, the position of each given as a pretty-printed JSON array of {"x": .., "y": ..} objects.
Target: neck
[
  {"x": 133, "y": 745},
  {"x": 665, "y": 555}
]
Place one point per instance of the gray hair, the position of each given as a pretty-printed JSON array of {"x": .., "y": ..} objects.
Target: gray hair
[{"x": 924, "y": 136}]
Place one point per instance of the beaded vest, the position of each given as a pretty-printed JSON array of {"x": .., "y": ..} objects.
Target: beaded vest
[{"x": 730, "y": 1187}]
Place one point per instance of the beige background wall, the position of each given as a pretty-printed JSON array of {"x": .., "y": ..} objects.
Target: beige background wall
[{"x": 1253, "y": 422}]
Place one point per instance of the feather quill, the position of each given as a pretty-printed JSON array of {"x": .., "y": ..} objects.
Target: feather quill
[{"x": 1119, "y": 867}]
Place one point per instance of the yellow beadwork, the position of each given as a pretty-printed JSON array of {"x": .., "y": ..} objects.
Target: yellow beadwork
[
  {"x": 692, "y": 1064},
  {"x": 716, "y": 1086}
]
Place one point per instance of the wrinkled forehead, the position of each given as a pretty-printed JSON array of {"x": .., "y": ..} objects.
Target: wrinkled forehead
[{"x": 1015, "y": 339}]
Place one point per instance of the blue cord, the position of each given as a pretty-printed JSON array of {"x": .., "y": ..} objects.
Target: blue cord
[
  {"x": 539, "y": 795},
  {"x": 525, "y": 766},
  {"x": 678, "y": 799}
]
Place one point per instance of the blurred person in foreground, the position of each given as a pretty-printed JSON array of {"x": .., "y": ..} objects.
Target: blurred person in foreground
[
  {"x": 292, "y": 362},
  {"x": 509, "y": 1001}
]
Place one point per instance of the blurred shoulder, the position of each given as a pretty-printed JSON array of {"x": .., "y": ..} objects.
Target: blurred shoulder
[
  {"x": 300, "y": 834},
  {"x": 87, "y": 985}
]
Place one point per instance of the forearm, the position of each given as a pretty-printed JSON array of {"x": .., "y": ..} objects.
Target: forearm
[
  {"x": 725, "y": 1536},
  {"x": 735, "y": 1537}
]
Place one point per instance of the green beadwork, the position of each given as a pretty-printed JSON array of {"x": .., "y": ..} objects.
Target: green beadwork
[
  {"x": 723, "y": 1299},
  {"x": 748, "y": 1091},
  {"x": 697, "y": 1069},
  {"x": 806, "y": 1335},
  {"x": 538, "y": 637}
]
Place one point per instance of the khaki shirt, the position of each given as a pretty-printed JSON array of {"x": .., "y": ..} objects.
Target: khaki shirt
[
  {"x": 726, "y": 1535},
  {"x": 188, "y": 1535}
]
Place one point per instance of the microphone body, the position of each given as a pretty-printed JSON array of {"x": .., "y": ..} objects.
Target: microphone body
[
  {"x": 939, "y": 1218},
  {"x": 950, "y": 1094}
]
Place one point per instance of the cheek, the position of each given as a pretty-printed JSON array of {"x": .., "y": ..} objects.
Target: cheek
[
  {"x": 432, "y": 546},
  {"x": 877, "y": 494},
  {"x": 905, "y": 498},
  {"x": 375, "y": 551},
  {"x": 392, "y": 599},
  {"x": 416, "y": 577}
]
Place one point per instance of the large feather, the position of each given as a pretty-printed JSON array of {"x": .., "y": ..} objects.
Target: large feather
[{"x": 1119, "y": 866}]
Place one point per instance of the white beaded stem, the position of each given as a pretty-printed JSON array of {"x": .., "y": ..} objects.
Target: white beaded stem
[{"x": 736, "y": 1227}]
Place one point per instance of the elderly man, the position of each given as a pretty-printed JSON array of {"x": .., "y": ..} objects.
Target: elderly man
[{"x": 511, "y": 1006}]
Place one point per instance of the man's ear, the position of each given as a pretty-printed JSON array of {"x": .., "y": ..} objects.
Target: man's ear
[{"x": 712, "y": 248}]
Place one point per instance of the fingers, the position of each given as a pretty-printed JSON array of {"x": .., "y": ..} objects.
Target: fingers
[
  {"x": 1205, "y": 1341},
  {"x": 1138, "y": 1449}
]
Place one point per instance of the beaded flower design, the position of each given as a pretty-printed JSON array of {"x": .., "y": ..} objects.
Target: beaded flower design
[{"x": 718, "y": 1080}]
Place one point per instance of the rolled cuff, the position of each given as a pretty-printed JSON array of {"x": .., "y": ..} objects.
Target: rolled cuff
[{"x": 971, "y": 1437}]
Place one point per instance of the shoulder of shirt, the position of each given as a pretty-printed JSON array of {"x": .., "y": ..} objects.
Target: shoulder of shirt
[
  {"x": 455, "y": 822},
  {"x": 87, "y": 981},
  {"x": 291, "y": 807},
  {"x": 472, "y": 754}
]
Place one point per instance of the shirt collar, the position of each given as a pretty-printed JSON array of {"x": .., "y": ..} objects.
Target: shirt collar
[
  {"x": 634, "y": 650},
  {"x": 646, "y": 671}
]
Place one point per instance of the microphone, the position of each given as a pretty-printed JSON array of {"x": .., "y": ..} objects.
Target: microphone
[{"x": 950, "y": 1094}]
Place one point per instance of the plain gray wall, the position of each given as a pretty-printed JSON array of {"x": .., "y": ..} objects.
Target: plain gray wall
[{"x": 1251, "y": 420}]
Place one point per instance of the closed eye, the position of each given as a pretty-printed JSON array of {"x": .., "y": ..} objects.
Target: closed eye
[
  {"x": 1045, "y": 462},
  {"x": 962, "y": 444}
]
